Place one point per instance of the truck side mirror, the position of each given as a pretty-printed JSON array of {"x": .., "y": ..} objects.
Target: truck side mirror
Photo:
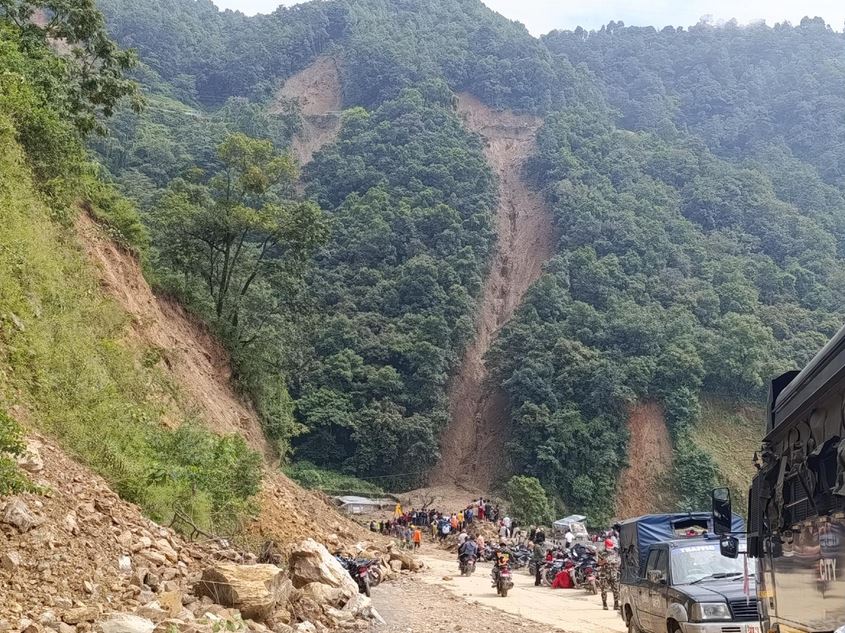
[
  {"x": 722, "y": 515},
  {"x": 655, "y": 576},
  {"x": 729, "y": 546}
]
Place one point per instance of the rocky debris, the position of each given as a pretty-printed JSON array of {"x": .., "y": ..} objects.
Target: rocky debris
[
  {"x": 311, "y": 562},
  {"x": 407, "y": 561},
  {"x": 10, "y": 560},
  {"x": 80, "y": 614},
  {"x": 77, "y": 559},
  {"x": 255, "y": 590},
  {"x": 126, "y": 623},
  {"x": 18, "y": 514},
  {"x": 30, "y": 459}
]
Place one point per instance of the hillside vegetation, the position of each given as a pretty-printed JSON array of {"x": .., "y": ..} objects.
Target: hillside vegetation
[
  {"x": 693, "y": 174},
  {"x": 67, "y": 367}
]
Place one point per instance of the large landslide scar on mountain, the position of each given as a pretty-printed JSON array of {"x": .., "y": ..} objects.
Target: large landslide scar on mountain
[
  {"x": 472, "y": 445},
  {"x": 641, "y": 487},
  {"x": 317, "y": 90}
]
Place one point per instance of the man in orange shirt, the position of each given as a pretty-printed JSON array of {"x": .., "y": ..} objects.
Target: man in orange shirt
[{"x": 417, "y": 537}]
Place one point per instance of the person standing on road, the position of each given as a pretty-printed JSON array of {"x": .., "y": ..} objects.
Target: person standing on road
[
  {"x": 538, "y": 556},
  {"x": 417, "y": 537},
  {"x": 608, "y": 564},
  {"x": 569, "y": 537}
]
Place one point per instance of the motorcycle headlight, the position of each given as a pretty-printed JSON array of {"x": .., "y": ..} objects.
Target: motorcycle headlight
[{"x": 702, "y": 611}]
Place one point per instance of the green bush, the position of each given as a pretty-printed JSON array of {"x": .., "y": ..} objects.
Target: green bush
[
  {"x": 527, "y": 500},
  {"x": 12, "y": 480},
  {"x": 695, "y": 475},
  {"x": 64, "y": 353},
  {"x": 310, "y": 476}
]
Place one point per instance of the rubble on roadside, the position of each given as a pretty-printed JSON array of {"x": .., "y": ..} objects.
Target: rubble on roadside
[{"x": 78, "y": 559}]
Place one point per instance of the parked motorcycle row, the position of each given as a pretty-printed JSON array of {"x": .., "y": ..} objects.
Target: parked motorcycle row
[{"x": 579, "y": 563}]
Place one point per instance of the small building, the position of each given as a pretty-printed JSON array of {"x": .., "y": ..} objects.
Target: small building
[{"x": 362, "y": 505}]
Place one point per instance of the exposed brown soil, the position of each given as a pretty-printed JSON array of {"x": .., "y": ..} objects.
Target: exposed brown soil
[
  {"x": 190, "y": 354},
  {"x": 317, "y": 90},
  {"x": 642, "y": 485},
  {"x": 199, "y": 367},
  {"x": 472, "y": 446}
]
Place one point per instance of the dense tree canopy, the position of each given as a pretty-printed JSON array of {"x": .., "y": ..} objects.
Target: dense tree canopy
[
  {"x": 695, "y": 177},
  {"x": 411, "y": 201}
]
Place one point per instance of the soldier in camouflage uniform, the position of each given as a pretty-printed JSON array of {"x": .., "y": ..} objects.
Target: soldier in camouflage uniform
[{"x": 608, "y": 573}]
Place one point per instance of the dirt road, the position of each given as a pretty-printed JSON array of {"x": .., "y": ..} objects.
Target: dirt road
[{"x": 428, "y": 602}]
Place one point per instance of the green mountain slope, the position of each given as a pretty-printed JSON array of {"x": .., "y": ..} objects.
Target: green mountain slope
[
  {"x": 68, "y": 367},
  {"x": 694, "y": 177}
]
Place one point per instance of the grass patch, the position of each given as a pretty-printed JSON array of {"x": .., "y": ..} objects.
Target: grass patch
[
  {"x": 63, "y": 352},
  {"x": 730, "y": 433},
  {"x": 312, "y": 477}
]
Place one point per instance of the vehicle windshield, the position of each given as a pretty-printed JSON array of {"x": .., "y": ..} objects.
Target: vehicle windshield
[{"x": 700, "y": 563}]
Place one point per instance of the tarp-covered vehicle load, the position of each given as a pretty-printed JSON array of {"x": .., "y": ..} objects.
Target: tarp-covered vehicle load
[{"x": 637, "y": 535}]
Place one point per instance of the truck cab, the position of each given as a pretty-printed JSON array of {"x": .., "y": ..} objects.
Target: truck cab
[{"x": 688, "y": 586}]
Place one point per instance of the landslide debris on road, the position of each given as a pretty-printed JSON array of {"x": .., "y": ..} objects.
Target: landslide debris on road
[
  {"x": 317, "y": 90},
  {"x": 78, "y": 558},
  {"x": 472, "y": 446}
]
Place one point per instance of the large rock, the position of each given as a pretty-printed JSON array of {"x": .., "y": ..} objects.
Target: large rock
[
  {"x": 254, "y": 590},
  {"x": 127, "y": 623},
  {"x": 324, "y": 594},
  {"x": 311, "y": 562},
  {"x": 17, "y": 513},
  {"x": 30, "y": 459},
  {"x": 408, "y": 561}
]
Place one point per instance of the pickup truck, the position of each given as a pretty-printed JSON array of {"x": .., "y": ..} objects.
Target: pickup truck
[{"x": 682, "y": 584}]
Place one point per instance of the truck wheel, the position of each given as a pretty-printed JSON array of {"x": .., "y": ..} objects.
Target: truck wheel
[{"x": 632, "y": 626}]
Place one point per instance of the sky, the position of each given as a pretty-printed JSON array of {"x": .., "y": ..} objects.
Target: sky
[{"x": 542, "y": 16}]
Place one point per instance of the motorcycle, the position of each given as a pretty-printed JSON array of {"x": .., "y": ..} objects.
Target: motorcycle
[
  {"x": 504, "y": 582},
  {"x": 588, "y": 573},
  {"x": 519, "y": 557},
  {"x": 552, "y": 569},
  {"x": 359, "y": 569},
  {"x": 467, "y": 565}
]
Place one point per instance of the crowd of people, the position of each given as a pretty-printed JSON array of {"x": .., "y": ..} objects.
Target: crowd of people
[{"x": 409, "y": 527}]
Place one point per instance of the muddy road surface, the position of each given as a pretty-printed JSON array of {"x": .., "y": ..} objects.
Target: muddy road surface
[{"x": 439, "y": 599}]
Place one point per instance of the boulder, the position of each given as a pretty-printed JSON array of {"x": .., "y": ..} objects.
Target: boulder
[
  {"x": 395, "y": 566},
  {"x": 17, "y": 513},
  {"x": 311, "y": 562},
  {"x": 10, "y": 560},
  {"x": 126, "y": 623},
  {"x": 254, "y": 590},
  {"x": 80, "y": 614},
  {"x": 30, "y": 460},
  {"x": 323, "y": 594},
  {"x": 408, "y": 561}
]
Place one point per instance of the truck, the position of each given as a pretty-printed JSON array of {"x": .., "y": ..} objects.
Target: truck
[
  {"x": 673, "y": 578},
  {"x": 796, "y": 506}
]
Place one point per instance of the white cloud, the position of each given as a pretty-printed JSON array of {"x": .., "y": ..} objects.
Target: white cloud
[{"x": 541, "y": 16}]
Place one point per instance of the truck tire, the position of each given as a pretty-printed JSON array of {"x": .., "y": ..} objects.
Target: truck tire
[{"x": 632, "y": 626}]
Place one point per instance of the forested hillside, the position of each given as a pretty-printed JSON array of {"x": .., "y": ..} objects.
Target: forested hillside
[{"x": 696, "y": 182}]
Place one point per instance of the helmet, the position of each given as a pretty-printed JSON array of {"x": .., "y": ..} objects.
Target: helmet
[{"x": 609, "y": 544}]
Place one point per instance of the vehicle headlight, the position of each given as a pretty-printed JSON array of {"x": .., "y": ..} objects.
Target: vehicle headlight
[{"x": 702, "y": 611}]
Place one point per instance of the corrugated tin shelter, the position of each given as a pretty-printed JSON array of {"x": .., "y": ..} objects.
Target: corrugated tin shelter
[{"x": 362, "y": 505}]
